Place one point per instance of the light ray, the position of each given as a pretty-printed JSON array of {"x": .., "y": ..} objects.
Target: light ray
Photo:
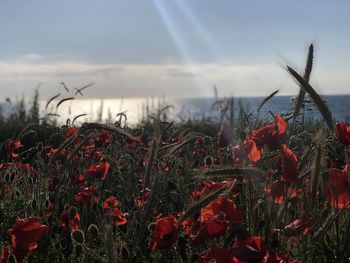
[
  {"x": 185, "y": 53},
  {"x": 201, "y": 31}
]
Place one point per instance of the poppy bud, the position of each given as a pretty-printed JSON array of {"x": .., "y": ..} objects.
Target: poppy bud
[
  {"x": 93, "y": 235},
  {"x": 208, "y": 160},
  {"x": 78, "y": 236},
  {"x": 171, "y": 186},
  {"x": 72, "y": 212},
  {"x": 12, "y": 177},
  {"x": 7, "y": 178},
  {"x": 57, "y": 245},
  {"x": 11, "y": 259},
  {"x": 40, "y": 146},
  {"x": 93, "y": 231},
  {"x": 30, "y": 180},
  {"x": 225, "y": 135},
  {"x": 194, "y": 257},
  {"x": 34, "y": 204},
  {"x": 125, "y": 253},
  {"x": 78, "y": 250}
]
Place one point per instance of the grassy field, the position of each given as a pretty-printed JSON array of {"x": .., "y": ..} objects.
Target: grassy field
[{"x": 241, "y": 190}]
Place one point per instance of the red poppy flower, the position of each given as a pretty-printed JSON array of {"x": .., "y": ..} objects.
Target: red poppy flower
[
  {"x": 24, "y": 234},
  {"x": 225, "y": 135},
  {"x": 103, "y": 139},
  {"x": 111, "y": 207},
  {"x": 110, "y": 202},
  {"x": 69, "y": 224},
  {"x": 86, "y": 195},
  {"x": 191, "y": 226},
  {"x": 92, "y": 153},
  {"x": 222, "y": 205},
  {"x": 98, "y": 170},
  {"x": 71, "y": 131},
  {"x": 343, "y": 131},
  {"x": 278, "y": 190},
  {"x": 290, "y": 165},
  {"x": 214, "y": 226},
  {"x": 165, "y": 233},
  {"x": 139, "y": 202},
  {"x": 281, "y": 124},
  {"x": 270, "y": 134},
  {"x": 271, "y": 257},
  {"x": 338, "y": 188},
  {"x": 251, "y": 249},
  {"x": 11, "y": 147},
  {"x": 252, "y": 151},
  {"x": 207, "y": 187},
  {"x": 213, "y": 221},
  {"x": 51, "y": 151},
  {"x": 53, "y": 182},
  {"x": 297, "y": 227},
  {"x": 5, "y": 252},
  {"x": 216, "y": 255},
  {"x": 80, "y": 179},
  {"x": 247, "y": 150}
]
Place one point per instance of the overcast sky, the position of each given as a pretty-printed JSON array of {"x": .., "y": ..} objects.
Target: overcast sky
[{"x": 136, "y": 48}]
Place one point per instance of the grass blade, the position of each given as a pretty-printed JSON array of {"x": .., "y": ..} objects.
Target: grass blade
[
  {"x": 61, "y": 101},
  {"x": 63, "y": 146},
  {"x": 267, "y": 99},
  {"x": 201, "y": 203},
  {"x": 321, "y": 106},
  {"x": 50, "y": 100},
  {"x": 97, "y": 126},
  {"x": 307, "y": 74},
  {"x": 78, "y": 116}
]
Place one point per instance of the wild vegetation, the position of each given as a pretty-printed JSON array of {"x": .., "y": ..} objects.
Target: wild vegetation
[{"x": 241, "y": 190}]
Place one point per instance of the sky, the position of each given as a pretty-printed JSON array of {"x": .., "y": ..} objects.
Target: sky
[{"x": 171, "y": 48}]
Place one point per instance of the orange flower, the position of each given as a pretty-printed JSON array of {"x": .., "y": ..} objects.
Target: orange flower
[{"x": 24, "y": 234}]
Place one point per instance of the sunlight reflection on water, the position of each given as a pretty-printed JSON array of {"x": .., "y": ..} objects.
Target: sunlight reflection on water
[{"x": 137, "y": 109}]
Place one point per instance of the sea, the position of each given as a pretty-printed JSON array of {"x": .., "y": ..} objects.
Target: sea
[{"x": 139, "y": 109}]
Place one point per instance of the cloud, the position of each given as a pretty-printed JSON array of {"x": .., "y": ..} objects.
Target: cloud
[
  {"x": 57, "y": 70},
  {"x": 152, "y": 80},
  {"x": 33, "y": 56}
]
